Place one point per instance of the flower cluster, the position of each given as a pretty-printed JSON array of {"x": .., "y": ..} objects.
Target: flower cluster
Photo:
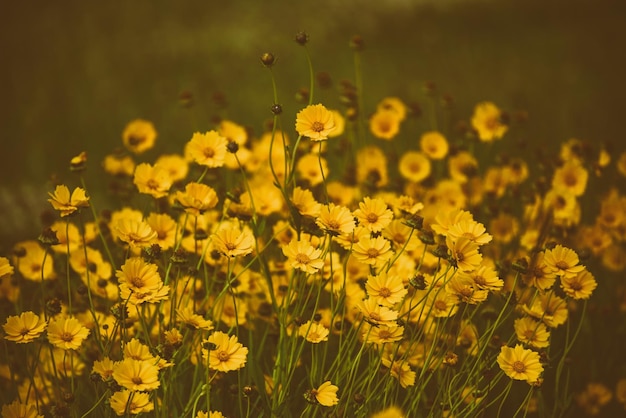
[{"x": 375, "y": 272}]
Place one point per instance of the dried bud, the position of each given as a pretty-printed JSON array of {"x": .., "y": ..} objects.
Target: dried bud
[
  {"x": 232, "y": 147},
  {"x": 356, "y": 43},
  {"x": 268, "y": 59},
  {"x": 276, "y": 109},
  {"x": 48, "y": 237},
  {"x": 302, "y": 38}
]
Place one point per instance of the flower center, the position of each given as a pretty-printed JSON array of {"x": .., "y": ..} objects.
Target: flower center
[
  {"x": 317, "y": 126},
  {"x": 562, "y": 265},
  {"x": 372, "y": 218},
  {"x": 303, "y": 258},
  {"x": 137, "y": 281},
  {"x": 137, "y": 380},
  {"x": 66, "y": 336},
  {"x": 441, "y": 305},
  {"x": 208, "y": 152},
  {"x": 373, "y": 253},
  {"x": 519, "y": 367},
  {"x": 384, "y": 292},
  {"x": 223, "y": 355}
]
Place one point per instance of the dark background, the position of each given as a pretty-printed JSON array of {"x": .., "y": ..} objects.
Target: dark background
[{"x": 74, "y": 73}]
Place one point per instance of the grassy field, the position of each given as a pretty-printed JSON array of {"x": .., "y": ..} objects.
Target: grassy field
[{"x": 74, "y": 75}]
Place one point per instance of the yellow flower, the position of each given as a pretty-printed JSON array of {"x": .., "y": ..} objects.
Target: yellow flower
[
  {"x": 336, "y": 220},
  {"x": 485, "y": 278},
  {"x": 487, "y": 121},
  {"x": 532, "y": 332},
  {"x": 470, "y": 229},
  {"x": 434, "y": 145},
  {"x": 67, "y": 333},
  {"x": 548, "y": 308},
  {"x": 119, "y": 165},
  {"x": 382, "y": 333},
  {"x": 303, "y": 256},
  {"x": 464, "y": 253},
  {"x": 152, "y": 180},
  {"x": 385, "y": 289},
  {"x": 385, "y": 124},
  {"x": 391, "y": 412},
  {"x": 135, "y": 233},
  {"x": 520, "y": 364},
  {"x": 137, "y": 375},
  {"x": 165, "y": 228},
  {"x": 197, "y": 198},
  {"x": 593, "y": 398},
  {"x": 325, "y": 394},
  {"x": 340, "y": 124},
  {"x": 400, "y": 370},
  {"x": 24, "y": 328},
  {"x": 213, "y": 414},
  {"x": 462, "y": 167},
  {"x": 371, "y": 168},
  {"x": 373, "y": 214},
  {"x": 414, "y": 166},
  {"x": 621, "y": 164},
  {"x": 312, "y": 168},
  {"x": 572, "y": 177},
  {"x": 175, "y": 165},
  {"x": 305, "y": 202},
  {"x": 104, "y": 368},
  {"x": 393, "y": 104},
  {"x": 562, "y": 261},
  {"x": 16, "y": 409},
  {"x": 373, "y": 251},
  {"x": 65, "y": 203},
  {"x": 31, "y": 265},
  {"x": 313, "y": 332},
  {"x": 444, "y": 220},
  {"x": 465, "y": 289},
  {"x": 620, "y": 391},
  {"x": 579, "y": 286},
  {"x": 140, "y": 281},
  {"x": 192, "y": 320},
  {"x": 442, "y": 303},
  {"x": 127, "y": 402},
  {"x": 139, "y": 135},
  {"x": 375, "y": 314},
  {"x": 6, "y": 269},
  {"x": 228, "y": 353},
  {"x": 233, "y": 242},
  {"x": 208, "y": 149},
  {"x": 315, "y": 122}
]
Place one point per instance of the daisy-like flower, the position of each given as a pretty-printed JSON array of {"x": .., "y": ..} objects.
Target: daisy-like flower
[
  {"x": 67, "y": 203},
  {"x": 485, "y": 278},
  {"x": 532, "y": 332},
  {"x": 175, "y": 165},
  {"x": 444, "y": 220},
  {"x": 139, "y": 135},
  {"x": 402, "y": 236},
  {"x": 192, "y": 320},
  {"x": 208, "y": 149},
  {"x": 135, "y": 233},
  {"x": 104, "y": 368},
  {"x": 382, "y": 333},
  {"x": 233, "y": 242},
  {"x": 135, "y": 349},
  {"x": 373, "y": 214},
  {"x": 520, "y": 363},
  {"x": 562, "y": 261},
  {"x": 197, "y": 198},
  {"x": 371, "y": 168},
  {"x": 325, "y": 394},
  {"x": 462, "y": 167},
  {"x": 31, "y": 265},
  {"x": 548, "y": 308},
  {"x": 165, "y": 228},
  {"x": 434, "y": 145},
  {"x": 336, "y": 220},
  {"x": 579, "y": 286},
  {"x": 6, "y": 269},
  {"x": 375, "y": 314},
  {"x": 474, "y": 231},
  {"x": 571, "y": 177},
  {"x": 340, "y": 124},
  {"x": 152, "y": 179},
  {"x": 313, "y": 332},
  {"x": 464, "y": 253},
  {"x": 303, "y": 256},
  {"x": 119, "y": 165},
  {"x": 373, "y": 251},
  {"x": 305, "y": 203},
  {"x": 393, "y": 104},
  {"x": 385, "y": 289},
  {"x": 414, "y": 166},
  {"x": 442, "y": 303},
  {"x": 315, "y": 122},
  {"x": 539, "y": 274},
  {"x": 67, "y": 333},
  {"x": 464, "y": 288},
  {"x": 139, "y": 276},
  {"x": 24, "y": 328},
  {"x": 228, "y": 353},
  {"x": 127, "y": 402},
  {"x": 401, "y": 370},
  {"x": 385, "y": 124},
  {"x": 137, "y": 375},
  {"x": 213, "y": 414},
  {"x": 487, "y": 121},
  {"x": 16, "y": 409},
  {"x": 347, "y": 241}
]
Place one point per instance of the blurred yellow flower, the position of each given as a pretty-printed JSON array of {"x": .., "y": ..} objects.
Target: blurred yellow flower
[
  {"x": 434, "y": 145},
  {"x": 572, "y": 177},
  {"x": 65, "y": 203},
  {"x": 175, "y": 165},
  {"x": 312, "y": 168},
  {"x": 139, "y": 136},
  {"x": 24, "y": 328},
  {"x": 16, "y": 409},
  {"x": 593, "y": 398},
  {"x": 393, "y": 104},
  {"x": 385, "y": 124},
  {"x": 32, "y": 261},
  {"x": 6, "y": 269},
  {"x": 462, "y": 166},
  {"x": 197, "y": 198},
  {"x": 487, "y": 121},
  {"x": 192, "y": 320},
  {"x": 340, "y": 124},
  {"x": 305, "y": 202},
  {"x": 315, "y": 122},
  {"x": 391, "y": 412},
  {"x": 67, "y": 333},
  {"x": 119, "y": 165},
  {"x": 414, "y": 166},
  {"x": 520, "y": 363}
]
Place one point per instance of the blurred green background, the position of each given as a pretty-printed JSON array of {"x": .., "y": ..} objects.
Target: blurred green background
[{"x": 74, "y": 73}]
